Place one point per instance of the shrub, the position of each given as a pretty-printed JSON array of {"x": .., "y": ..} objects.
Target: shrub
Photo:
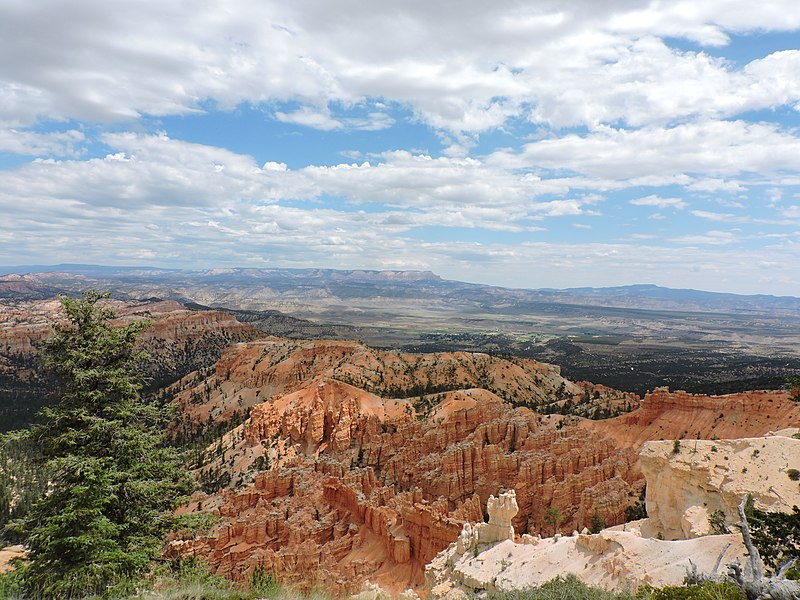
[
  {"x": 560, "y": 588},
  {"x": 776, "y": 535},
  {"x": 638, "y": 510},
  {"x": 598, "y": 524},
  {"x": 717, "y": 522},
  {"x": 554, "y": 518},
  {"x": 793, "y": 474},
  {"x": 264, "y": 584},
  {"x": 706, "y": 591}
]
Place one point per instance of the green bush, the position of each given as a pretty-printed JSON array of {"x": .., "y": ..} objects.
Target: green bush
[
  {"x": 793, "y": 474},
  {"x": 264, "y": 584},
  {"x": 598, "y": 523},
  {"x": 562, "y": 588},
  {"x": 10, "y": 586},
  {"x": 571, "y": 588},
  {"x": 776, "y": 535},
  {"x": 705, "y": 591},
  {"x": 189, "y": 579},
  {"x": 718, "y": 523}
]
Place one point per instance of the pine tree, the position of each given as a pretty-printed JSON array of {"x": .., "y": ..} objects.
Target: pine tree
[
  {"x": 114, "y": 481},
  {"x": 598, "y": 523},
  {"x": 554, "y": 518}
]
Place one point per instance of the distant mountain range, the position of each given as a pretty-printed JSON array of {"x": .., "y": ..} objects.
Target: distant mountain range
[
  {"x": 634, "y": 337},
  {"x": 244, "y": 287}
]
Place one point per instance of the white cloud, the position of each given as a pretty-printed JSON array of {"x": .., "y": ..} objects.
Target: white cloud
[
  {"x": 791, "y": 212},
  {"x": 188, "y": 203},
  {"x": 709, "y": 238},
  {"x": 704, "y": 149},
  {"x": 715, "y": 216},
  {"x": 464, "y": 67},
  {"x": 715, "y": 185},
  {"x": 57, "y": 143},
  {"x": 318, "y": 119},
  {"x": 659, "y": 202}
]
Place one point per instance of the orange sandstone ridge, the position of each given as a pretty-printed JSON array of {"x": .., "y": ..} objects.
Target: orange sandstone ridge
[
  {"x": 666, "y": 415},
  {"x": 248, "y": 374}
]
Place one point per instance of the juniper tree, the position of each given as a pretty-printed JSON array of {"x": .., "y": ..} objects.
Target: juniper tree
[{"x": 114, "y": 481}]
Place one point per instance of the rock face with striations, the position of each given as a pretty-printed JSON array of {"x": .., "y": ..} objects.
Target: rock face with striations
[
  {"x": 666, "y": 415},
  {"x": 685, "y": 484}
]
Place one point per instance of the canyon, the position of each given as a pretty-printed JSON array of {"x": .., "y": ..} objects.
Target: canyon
[
  {"x": 334, "y": 463},
  {"x": 634, "y": 338},
  {"x": 685, "y": 485},
  {"x": 178, "y": 341},
  {"x": 358, "y": 464}
]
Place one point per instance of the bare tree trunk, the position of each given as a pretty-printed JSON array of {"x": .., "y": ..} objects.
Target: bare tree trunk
[
  {"x": 759, "y": 587},
  {"x": 756, "y": 564}
]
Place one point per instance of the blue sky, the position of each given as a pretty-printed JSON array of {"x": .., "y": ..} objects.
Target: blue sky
[{"x": 547, "y": 144}]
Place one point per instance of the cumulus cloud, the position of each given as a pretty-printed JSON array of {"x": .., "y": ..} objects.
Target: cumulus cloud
[
  {"x": 693, "y": 150},
  {"x": 58, "y": 143},
  {"x": 460, "y": 67},
  {"x": 710, "y": 238},
  {"x": 187, "y": 202},
  {"x": 547, "y": 113},
  {"x": 659, "y": 202}
]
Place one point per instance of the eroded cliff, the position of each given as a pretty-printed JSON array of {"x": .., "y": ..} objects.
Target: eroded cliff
[{"x": 361, "y": 464}]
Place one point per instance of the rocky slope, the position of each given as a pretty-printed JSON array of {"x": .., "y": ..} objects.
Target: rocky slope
[
  {"x": 357, "y": 463},
  {"x": 684, "y": 487},
  {"x": 691, "y": 481},
  {"x": 178, "y": 341},
  {"x": 252, "y": 373},
  {"x": 677, "y": 415},
  {"x": 389, "y": 454}
]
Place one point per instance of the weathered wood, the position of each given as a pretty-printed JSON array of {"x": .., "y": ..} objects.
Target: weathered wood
[{"x": 759, "y": 586}]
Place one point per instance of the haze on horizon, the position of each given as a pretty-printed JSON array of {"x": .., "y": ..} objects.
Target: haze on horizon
[{"x": 565, "y": 144}]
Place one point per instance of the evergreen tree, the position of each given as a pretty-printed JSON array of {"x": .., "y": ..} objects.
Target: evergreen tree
[
  {"x": 794, "y": 387},
  {"x": 554, "y": 518},
  {"x": 598, "y": 523},
  {"x": 114, "y": 481}
]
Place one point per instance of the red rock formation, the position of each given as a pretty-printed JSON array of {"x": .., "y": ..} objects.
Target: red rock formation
[
  {"x": 359, "y": 485},
  {"x": 24, "y": 325},
  {"x": 666, "y": 415},
  {"x": 252, "y": 373},
  {"x": 396, "y": 481}
]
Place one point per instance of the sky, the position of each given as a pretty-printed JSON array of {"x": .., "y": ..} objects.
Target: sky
[{"x": 516, "y": 143}]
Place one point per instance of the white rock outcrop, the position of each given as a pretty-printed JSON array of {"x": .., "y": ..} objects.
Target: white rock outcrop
[
  {"x": 612, "y": 559},
  {"x": 501, "y": 510},
  {"x": 686, "y": 487}
]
